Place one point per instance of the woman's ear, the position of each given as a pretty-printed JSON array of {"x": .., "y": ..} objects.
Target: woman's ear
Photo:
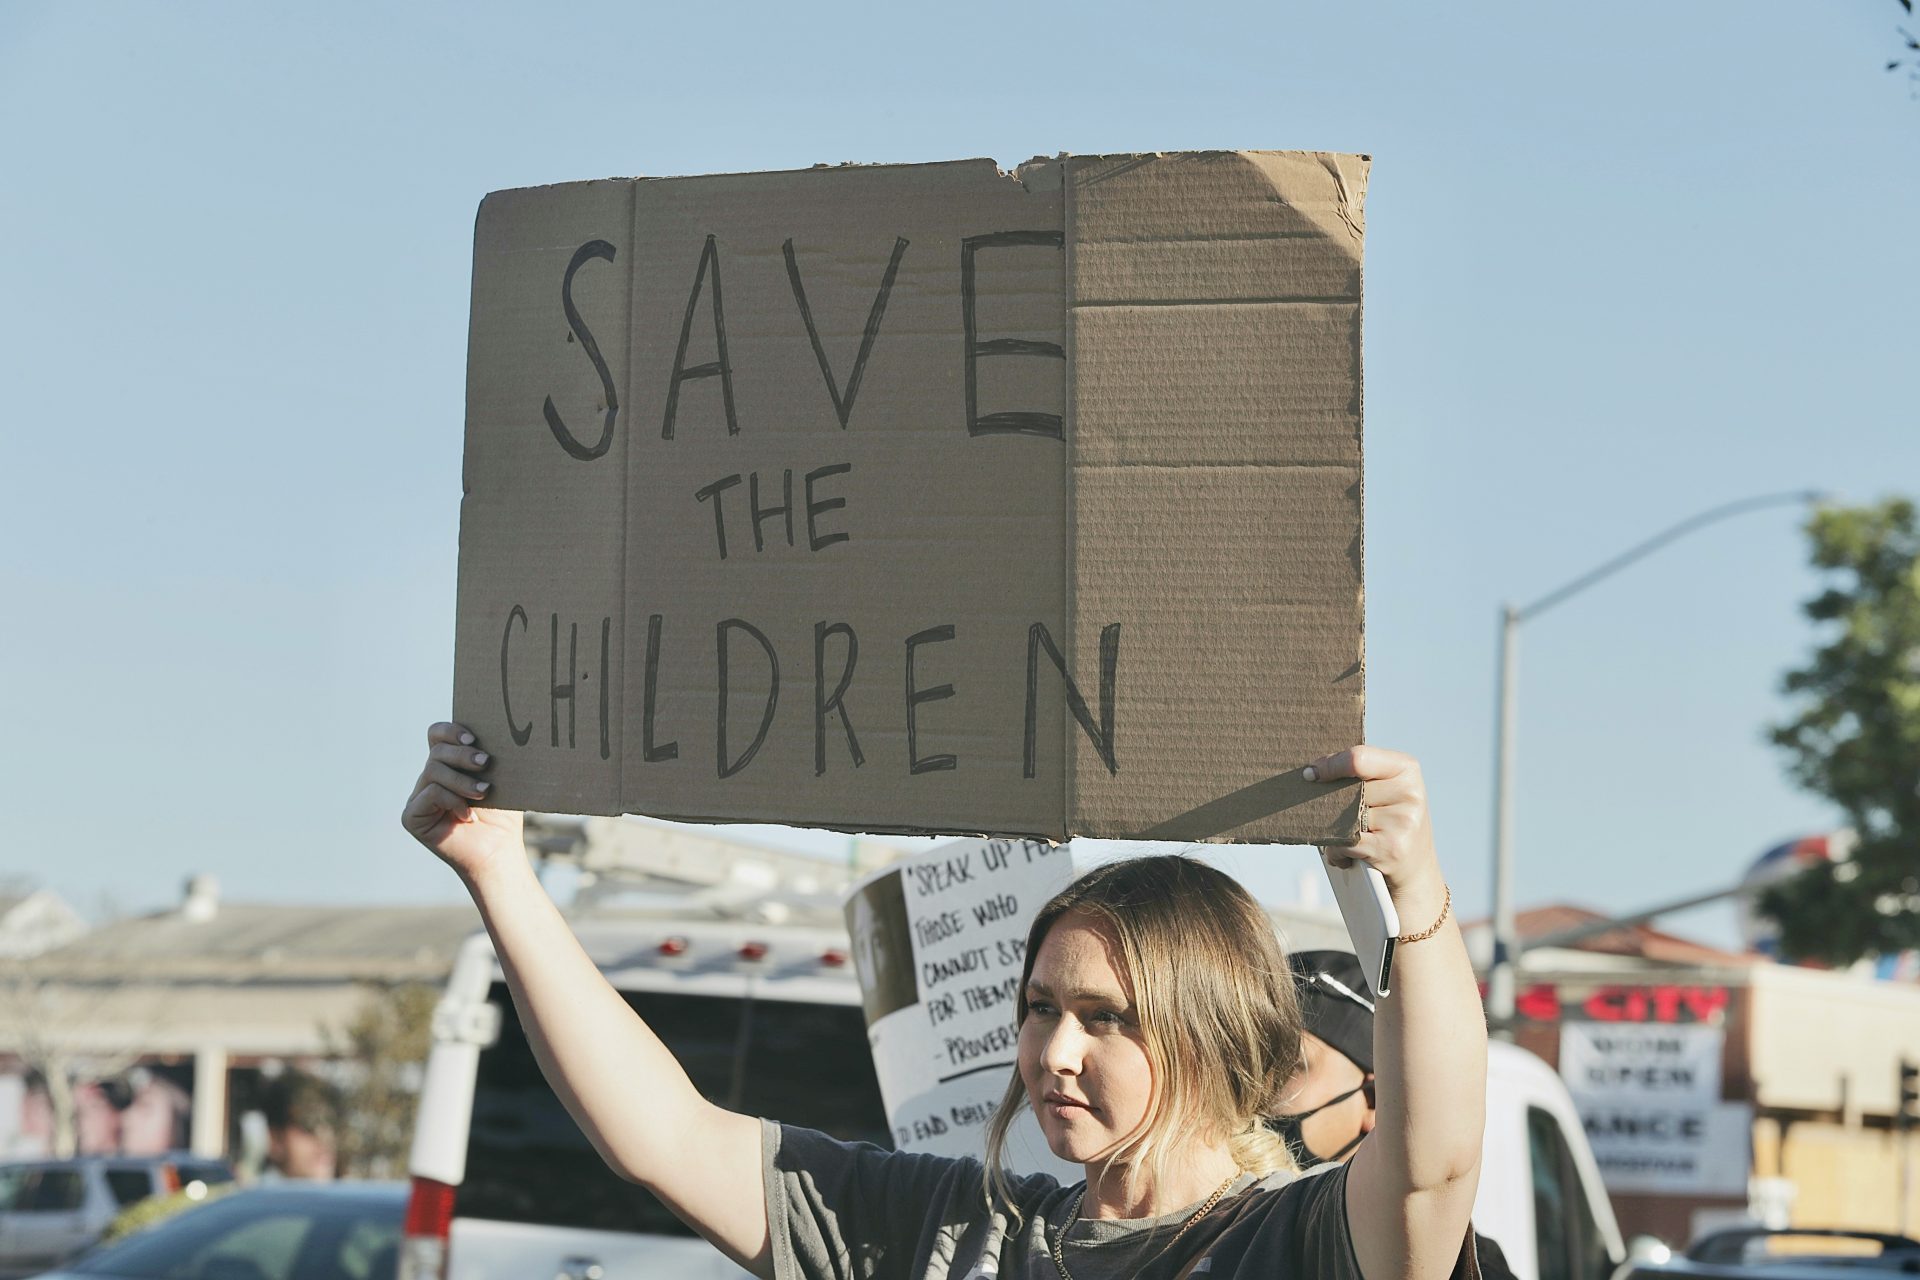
[{"x": 1368, "y": 1120}]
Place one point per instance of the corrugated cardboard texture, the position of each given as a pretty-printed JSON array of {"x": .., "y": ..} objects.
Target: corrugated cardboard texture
[
  {"x": 789, "y": 495},
  {"x": 1214, "y": 314}
]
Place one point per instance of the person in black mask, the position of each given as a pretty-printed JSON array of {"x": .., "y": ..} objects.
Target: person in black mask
[{"x": 1328, "y": 1106}]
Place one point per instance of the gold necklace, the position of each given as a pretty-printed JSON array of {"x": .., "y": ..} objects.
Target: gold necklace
[{"x": 1073, "y": 1214}]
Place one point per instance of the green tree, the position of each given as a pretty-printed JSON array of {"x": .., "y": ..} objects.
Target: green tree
[
  {"x": 382, "y": 1052},
  {"x": 1856, "y": 738},
  {"x": 1909, "y": 48}
]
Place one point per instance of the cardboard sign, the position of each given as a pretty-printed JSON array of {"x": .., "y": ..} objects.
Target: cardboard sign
[
  {"x": 939, "y": 941},
  {"x": 922, "y": 498}
]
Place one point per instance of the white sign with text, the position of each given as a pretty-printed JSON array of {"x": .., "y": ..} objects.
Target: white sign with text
[
  {"x": 939, "y": 940},
  {"x": 1642, "y": 1061},
  {"x": 1701, "y": 1149},
  {"x": 1649, "y": 1097}
]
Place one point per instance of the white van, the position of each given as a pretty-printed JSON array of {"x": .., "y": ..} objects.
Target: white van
[
  {"x": 1541, "y": 1199},
  {"x": 766, "y": 1019}
]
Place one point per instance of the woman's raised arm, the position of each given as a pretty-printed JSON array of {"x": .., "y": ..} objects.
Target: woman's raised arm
[
  {"x": 621, "y": 1084},
  {"x": 1411, "y": 1185}
]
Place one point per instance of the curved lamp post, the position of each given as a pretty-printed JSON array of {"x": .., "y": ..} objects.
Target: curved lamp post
[{"x": 1501, "y": 976}]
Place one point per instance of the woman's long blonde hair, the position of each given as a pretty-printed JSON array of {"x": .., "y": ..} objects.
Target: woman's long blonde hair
[{"x": 1215, "y": 1003}]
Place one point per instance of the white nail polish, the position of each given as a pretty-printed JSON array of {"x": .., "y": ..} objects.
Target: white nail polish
[{"x": 1310, "y": 774}]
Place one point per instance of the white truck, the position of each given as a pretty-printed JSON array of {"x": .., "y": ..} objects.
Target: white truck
[{"x": 742, "y": 968}]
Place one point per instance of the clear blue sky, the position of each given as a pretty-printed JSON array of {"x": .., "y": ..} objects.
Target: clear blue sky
[{"x": 1625, "y": 261}]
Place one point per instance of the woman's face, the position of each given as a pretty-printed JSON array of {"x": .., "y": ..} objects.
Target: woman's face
[{"x": 1082, "y": 1060}]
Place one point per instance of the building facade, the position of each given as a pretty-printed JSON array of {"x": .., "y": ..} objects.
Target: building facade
[{"x": 1720, "y": 1086}]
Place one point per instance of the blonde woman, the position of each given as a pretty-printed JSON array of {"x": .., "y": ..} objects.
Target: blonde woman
[{"x": 1157, "y": 1027}]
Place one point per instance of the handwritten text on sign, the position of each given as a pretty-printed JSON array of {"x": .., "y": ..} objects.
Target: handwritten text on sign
[
  {"x": 763, "y": 505},
  {"x": 795, "y": 497},
  {"x": 945, "y": 1060},
  {"x": 836, "y": 440}
]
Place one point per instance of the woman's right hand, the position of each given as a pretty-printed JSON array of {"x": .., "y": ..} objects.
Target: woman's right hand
[{"x": 441, "y": 814}]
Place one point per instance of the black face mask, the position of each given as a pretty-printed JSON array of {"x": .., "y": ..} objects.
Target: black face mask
[{"x": 1288, "y": 1127}]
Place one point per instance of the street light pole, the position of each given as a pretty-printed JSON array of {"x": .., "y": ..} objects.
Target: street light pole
[
  {"x": 1503, "y": 973},
  {"x": 1501, "y": 976}
]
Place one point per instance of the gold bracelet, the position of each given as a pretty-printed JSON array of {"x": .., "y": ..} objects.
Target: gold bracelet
[{"x": 1433, "y": 928}]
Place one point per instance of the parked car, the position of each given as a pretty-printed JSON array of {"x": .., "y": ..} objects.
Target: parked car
[
  {"x": 1790, "y": 1253},
  {"x": 52, "y": 1209},
  {"x": 766, "y": 1019},
  {"x": 287, "y": 1231}
]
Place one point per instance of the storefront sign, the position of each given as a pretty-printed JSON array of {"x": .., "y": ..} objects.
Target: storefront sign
[
  {"x": 1699, "y": 1149},
  {"x": 1665, "y": 1003},
  {"x": 1649, "y": 1096},
  {"x": 1641, "y": 1062}
]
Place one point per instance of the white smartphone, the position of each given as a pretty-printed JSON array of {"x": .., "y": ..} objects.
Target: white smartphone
[{"x": 1372, "y": 922}]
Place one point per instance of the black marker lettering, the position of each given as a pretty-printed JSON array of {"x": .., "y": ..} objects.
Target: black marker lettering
[
  {"x": 520, "y": 736},
  {"x": 1019, "y": 423},
  {"x": 714, "y": 491},
  {"x": 606, "y": 660},
  {"x": 558, "y": 691},
  {"x": 586, "y": 453},
  {"x": 824, "y": 702},
  {"x": 730, "y": 767},
  {"x": 816, "y": 540},
  {"x": 843, "y": 401},
  {"x": 932, "y": 764},
  {"x": 1102, "y": 736},
  {"x": 760, "y": 513},
  {"x": 666, "y": 750},
  {"x": 718, "y": 368}
]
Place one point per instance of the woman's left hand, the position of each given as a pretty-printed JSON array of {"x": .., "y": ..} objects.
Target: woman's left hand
[{"x": 1397, "y": 840}]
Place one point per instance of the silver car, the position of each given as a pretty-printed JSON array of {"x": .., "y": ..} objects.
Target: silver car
[
  {"x": 287, "y": 1231},
  {"x": 52, "y": 1209}
]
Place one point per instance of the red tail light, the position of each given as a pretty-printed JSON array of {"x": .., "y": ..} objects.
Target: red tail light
[
  {"x": 423, "y": 1253},
  {"x": 833, "y": 957},
  {"x": 753, "y": 951},
  {"x": 430, "y": 1208},
  {"x": 169, "y": 1179}
]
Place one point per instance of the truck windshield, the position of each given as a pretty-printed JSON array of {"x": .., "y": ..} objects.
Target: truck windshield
[{"x": 802, "y": 1064}]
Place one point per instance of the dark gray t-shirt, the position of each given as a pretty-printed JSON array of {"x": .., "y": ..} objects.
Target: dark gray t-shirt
[{"x": 849, "y": 1211}]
